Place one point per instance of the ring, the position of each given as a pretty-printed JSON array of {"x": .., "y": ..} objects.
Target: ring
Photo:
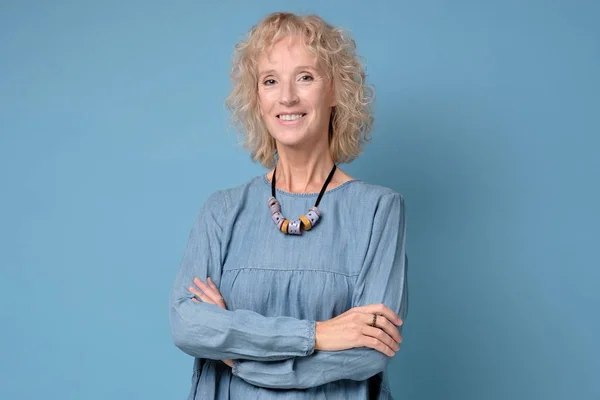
[{"x": 373, "y": 324}]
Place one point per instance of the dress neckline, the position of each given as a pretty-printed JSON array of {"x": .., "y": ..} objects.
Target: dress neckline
[{"x": 340, "y": 186}]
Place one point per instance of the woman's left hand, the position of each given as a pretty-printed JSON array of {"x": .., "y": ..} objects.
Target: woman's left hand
[{"x": 208, "y": 293}]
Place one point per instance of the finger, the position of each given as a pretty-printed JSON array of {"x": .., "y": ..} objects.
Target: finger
[
  {"x": 200, "y": 295},
  {"x": 382, "y": 309},
  {"x": 383, "y": 323},
  {"x": 212, "y": 293},
  {"x": 381, "y": 335},
  {"x": 196, "y": 292},
  {"x": 204, "y": 297},
  {"x": 212, "y": 284},
  {"x": 220, "y": 300},
  {"x": 386, "y": 343},
  {"x": 374, "y": 343},
  {"x": 194, "y": 300},
  {"x": 207, "y": 289}
]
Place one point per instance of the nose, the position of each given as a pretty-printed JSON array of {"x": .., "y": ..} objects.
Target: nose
[{"x": 287, "y": 94}]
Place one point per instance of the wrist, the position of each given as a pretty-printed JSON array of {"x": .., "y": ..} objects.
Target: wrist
[{"x": 317, "y": 334}]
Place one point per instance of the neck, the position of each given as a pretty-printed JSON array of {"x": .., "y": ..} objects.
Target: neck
[{"x": 302, "y": 171}]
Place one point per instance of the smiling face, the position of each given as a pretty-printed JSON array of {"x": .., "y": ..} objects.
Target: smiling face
[{"x": 294, "y": 94}]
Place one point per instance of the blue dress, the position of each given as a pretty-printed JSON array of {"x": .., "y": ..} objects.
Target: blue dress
[{"x": 276, "y": 286}]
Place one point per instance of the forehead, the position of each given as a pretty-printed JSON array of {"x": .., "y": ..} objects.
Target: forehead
[{"x": 287, "y": 51}]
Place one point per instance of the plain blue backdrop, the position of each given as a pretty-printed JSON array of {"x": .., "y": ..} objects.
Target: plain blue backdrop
[{"x": 113, "y": 132}]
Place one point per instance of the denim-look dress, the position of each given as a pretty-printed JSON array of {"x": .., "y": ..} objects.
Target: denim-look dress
[{"x": 276, "y": 286}]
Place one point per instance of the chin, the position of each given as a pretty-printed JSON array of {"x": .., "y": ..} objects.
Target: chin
[
  {"x": 291, "y": 142},
  {"x": 289, "y": 138}
]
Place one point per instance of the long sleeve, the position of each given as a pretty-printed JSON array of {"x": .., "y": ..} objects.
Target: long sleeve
[
  {"x": 205, "y": 330},
  {"x": 382, "y": 279}
]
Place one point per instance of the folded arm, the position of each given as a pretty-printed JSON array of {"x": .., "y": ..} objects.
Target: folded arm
[
  {"x": 383, "y": 279},
  {"x": 204, "y": 330}
]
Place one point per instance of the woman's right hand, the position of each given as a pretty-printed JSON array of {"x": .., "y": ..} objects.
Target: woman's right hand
[{"x": 353, "y": 329}]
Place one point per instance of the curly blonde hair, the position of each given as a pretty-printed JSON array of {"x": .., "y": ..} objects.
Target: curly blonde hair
[{"x": 351, "y": 118}]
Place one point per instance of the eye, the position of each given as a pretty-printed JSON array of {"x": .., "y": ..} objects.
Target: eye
[
  {"x": 306, "y": 78},
  {"x": 269, "y": 82}
]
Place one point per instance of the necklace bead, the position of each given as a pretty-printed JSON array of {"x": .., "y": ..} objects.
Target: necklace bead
[
  {"x": 295, "y": 227},
  {"x": 284, "y": 226},
  {"x": 306, "y": 224}
]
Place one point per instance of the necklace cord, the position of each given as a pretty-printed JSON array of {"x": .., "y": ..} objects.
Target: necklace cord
[{"x": 327, "y": 181}]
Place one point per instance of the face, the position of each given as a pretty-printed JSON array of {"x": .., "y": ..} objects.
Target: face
[{"x": 295, "y": 96}]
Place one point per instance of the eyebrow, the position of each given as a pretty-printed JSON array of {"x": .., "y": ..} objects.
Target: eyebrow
[{"x": 271, "y": 71}]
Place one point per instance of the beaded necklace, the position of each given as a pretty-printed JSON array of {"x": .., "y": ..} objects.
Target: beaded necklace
[{"x": 305, "y": 222}]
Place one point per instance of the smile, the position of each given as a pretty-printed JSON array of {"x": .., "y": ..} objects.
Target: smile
[{"x": 290, "y": 118}]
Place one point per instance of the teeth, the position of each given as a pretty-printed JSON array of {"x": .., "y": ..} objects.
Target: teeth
[{"x": 290, "y": 117}]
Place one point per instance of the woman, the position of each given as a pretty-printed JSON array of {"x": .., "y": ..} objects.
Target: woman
[{"x": 306, "y": 307}]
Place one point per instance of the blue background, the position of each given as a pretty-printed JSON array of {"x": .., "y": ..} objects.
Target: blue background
[{"x": 113, "y": 132}]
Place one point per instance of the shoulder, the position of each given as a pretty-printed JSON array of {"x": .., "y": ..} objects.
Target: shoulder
[
  {"x": 224, "y": 199},
  {"x": 376, "y": 195},
  {"x": 376, "y": 190},
  {"x": 383, "y": 208},
  {"x": 376, "y": 206}
]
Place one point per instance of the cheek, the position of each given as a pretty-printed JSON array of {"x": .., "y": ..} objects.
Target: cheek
[
  {"x": 264, "y": 104},
  {"x": 323, "y": 108}
]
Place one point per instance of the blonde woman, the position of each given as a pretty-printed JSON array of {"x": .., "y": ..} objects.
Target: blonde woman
[{"x": 293, "y": 285}]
